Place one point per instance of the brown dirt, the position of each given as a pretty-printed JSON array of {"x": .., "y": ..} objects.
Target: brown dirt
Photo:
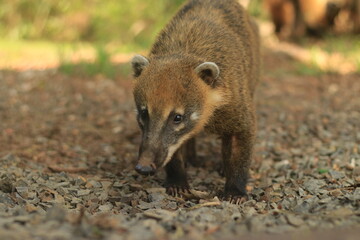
[{"x": 308, "y": 131}]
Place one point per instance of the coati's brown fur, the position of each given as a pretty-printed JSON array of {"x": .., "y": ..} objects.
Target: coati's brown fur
[{"x": 200, "y": 75}]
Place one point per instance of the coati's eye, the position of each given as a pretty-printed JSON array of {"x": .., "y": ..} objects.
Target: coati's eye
[
  {"x": 143, "y": 113},
  {"x": 178, "y": 118},
  {"x": 142, "y": 116}
]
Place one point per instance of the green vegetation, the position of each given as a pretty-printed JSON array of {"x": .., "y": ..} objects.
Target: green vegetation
[
  {"x": 82, "y": 28},
  {"x": 256, "y": 9},
  {"x": 323, "y": 171},
  {"x": 130, "y": 23},
  {"x": 348, "y": 46},
  {"x": 326, "y": 59},
  {"x": 91, "y": 30},
  {"x": 101, "y": 65},
  {"x": 304, "y": 69},
  {"x": 84, "y": 36},
  {"x": 12, "y": 51}
]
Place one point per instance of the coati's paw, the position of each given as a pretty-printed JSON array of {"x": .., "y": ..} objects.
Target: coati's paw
[
  {"x": 177, "y": 191},
  {"x": 238, "y": 200},
  {"x": 235, "y": 196},
  {"x": 235, "y": 192}
]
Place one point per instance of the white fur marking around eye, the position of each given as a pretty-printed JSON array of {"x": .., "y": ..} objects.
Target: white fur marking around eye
[
  {"x": 166, "y": 112},
  {"x": 179, "y": 127},
  {"x": 143, "y": 107},
  {"x": 180, "y": 111},
  {"x": 215, "y": 97},
  {"x": 194, "y": 116}
]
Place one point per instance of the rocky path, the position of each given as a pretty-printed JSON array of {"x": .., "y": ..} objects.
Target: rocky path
[{"x": 68, "y": 146}]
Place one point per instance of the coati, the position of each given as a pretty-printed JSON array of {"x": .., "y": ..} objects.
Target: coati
[
  {"x": 296, "y": 18},
  {"x": 200, "y": 74}
]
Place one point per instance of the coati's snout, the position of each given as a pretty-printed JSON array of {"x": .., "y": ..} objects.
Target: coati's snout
[
  {"x": 160, "y": 139},
  {"x": 146, "y": 165},
  {"x": 145, "y": 170}
]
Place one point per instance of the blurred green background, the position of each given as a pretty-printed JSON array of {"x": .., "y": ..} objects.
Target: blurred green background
[
  {"x": 47, "y": 33},
  {"x": 66, "y": 31},
  {"x": 51, "y": 33},
  {"x": 131, "y": 24}
]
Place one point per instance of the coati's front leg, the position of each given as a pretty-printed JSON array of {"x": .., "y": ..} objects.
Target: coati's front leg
[
  {"x": 237, "y": 151},
  {"x": 176, "y": 178},
  {"x": 190, "y": 152}
]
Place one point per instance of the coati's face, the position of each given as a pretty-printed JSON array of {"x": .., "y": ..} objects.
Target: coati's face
[{"x": 174, "y": 100}]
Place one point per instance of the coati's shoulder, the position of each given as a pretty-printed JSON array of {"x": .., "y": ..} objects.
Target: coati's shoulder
[
  {"x": 205, "y": 24},
  {"x": 225, "y": 12}
]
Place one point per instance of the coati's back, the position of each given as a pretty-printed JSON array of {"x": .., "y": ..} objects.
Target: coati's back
[{"x": 217, "y": 31}]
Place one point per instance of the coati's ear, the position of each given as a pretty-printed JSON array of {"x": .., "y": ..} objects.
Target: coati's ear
[
  {"x": 209, "y": 72},
  {"x": 138, "y": 63}
]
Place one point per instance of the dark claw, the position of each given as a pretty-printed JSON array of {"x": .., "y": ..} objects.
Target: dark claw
[
  {"x": 177, "y": 191},
  {"x": 238, "y": 200}
]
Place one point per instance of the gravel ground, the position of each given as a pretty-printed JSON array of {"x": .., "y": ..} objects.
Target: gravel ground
[{"x": 68, "y": 148}]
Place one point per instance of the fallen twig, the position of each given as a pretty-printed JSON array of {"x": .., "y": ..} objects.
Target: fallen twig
[
  {"x": 194, "y": 194},
  {"x": 207, "y": 204},
  {"x": 67, "y": 169}
]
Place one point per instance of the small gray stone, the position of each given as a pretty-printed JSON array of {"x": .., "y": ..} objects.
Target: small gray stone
[
  {"x": 145, "y": 205},
  {"x": 160, "y": 214},
  {"x": 325, "y": 200},
  {"x": 336, "y": 174},
  {"x": 83, "y": 192},
  {"x": 75, "y": 200},
  {"x": 304, "y": 207},
  {"x": 260, "y": 206},
  {"x": 256, "y": 224},
  {"x": 106, "y": 207},
  {"x": 62, "y": 184},
  {"x": 6, "y": 185},
  {"x": 103, "y": 196},
  {"x": 117, "y": 184},
  {"x": 356, "y": 194},
  {"x": 80, "y": 181},
  {"x": 106, "y": 184},
  {"x": 294, "y": 220},
  {"x": 207, "y": 217},
  {"x": 94, "y": 184},
  {"x": 9, "y": 158},
  {"x": 172, "y": 205},
  {"x": 21, "y": 183},
  {"x": 156, "y": 197},
  {"x": 4, "y": 198},
  {"x": 62, "y": 191},
  {"x": 249, "y": 211},
  {"x": 301, "y": 192},
  {"x": 32, "y": 195},
  {"x": 356, "y": 170},
  {"x": 56, "y": 214},
  {"x": 313, "y": 185},
  {"x": 22, "y": 191}
]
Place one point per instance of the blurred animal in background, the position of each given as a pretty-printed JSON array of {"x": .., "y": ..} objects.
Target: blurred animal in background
[
  {"x": 245, "y": 3},
  {"x": 297, "y": 18},
  {"x": 348, "y": 17}
]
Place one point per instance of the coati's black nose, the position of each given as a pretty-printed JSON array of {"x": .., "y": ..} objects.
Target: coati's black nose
[{"x": 145, "y": 170}]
